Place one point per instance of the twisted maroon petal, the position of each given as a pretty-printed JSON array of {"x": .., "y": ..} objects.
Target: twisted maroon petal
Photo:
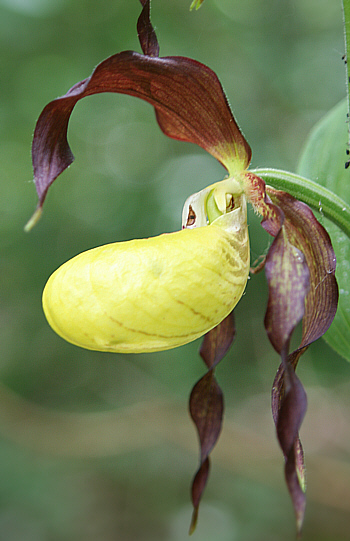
[
  {"x": 311, "y": 238},
  {"x": 288, "y": 276},
  {"x": 304, "y": 262},
  {"x": 207, "y": 405}
]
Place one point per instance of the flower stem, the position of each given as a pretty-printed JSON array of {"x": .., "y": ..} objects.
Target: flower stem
[{"x": 317, "y": 197}]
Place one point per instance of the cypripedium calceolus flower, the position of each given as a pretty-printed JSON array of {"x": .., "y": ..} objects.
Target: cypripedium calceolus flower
[{"x": 159, "y": 293}]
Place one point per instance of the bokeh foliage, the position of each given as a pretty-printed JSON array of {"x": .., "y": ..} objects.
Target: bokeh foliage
[{"x": 99, "y": 446}]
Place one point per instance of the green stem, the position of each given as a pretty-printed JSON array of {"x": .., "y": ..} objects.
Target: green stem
[
  {"x": 346, "y": 19},
  {"x": 319, "y": 198}
]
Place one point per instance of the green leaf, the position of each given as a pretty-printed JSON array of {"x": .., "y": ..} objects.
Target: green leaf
[{"x": 323, "y": 160}]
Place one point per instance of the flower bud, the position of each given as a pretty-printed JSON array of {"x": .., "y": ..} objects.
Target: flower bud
[{"x": 151, "y": 294}]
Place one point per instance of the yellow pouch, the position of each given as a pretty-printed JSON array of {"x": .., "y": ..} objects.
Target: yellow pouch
[{"x": 151, "y": 294}]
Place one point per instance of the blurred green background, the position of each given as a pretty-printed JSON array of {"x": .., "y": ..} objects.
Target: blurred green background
[{"x": 98, "y": 446}]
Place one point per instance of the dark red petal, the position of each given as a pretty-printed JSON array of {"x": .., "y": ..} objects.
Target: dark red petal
[
  {"x": 311, "y": 238},
  {"x": 206, "y": 409},
  {"x": 147, "y": 36},
  {"x": 189, "y": 101},
  {"x": 287, "y": 274},
  {"x": 288, "y": 278},
  {"x": 218, "y": 341},
  {"x": 292, "y": 410},
  {"x": 307, "y": 235},
  {"x": 289, "y": 419},
  {"x": 281, "y": 400},
  {"x": 207, "y": 405},
  {"x": 198, "y": 486}
]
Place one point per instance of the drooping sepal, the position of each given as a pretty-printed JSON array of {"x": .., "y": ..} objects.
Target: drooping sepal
[
  {"x": 188, "y": 98},
  {"x": 207, "y": 405}
]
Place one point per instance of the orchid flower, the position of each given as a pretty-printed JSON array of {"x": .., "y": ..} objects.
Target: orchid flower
[{"x": 156, "y": 294}]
